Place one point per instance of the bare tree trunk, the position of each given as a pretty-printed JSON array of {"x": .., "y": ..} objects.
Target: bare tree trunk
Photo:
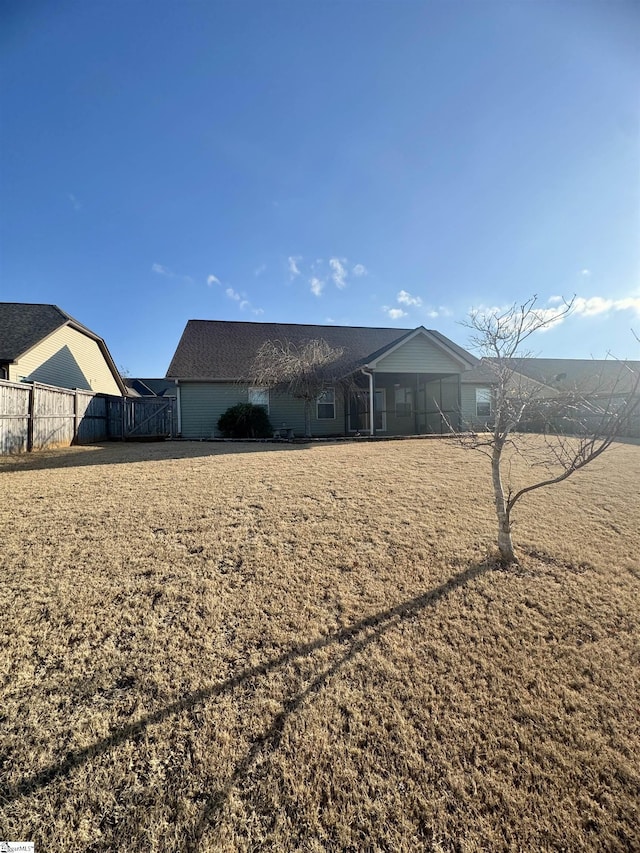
[
  {"x": 307, "y": 418},
  {"x": 505, "y": 545}
]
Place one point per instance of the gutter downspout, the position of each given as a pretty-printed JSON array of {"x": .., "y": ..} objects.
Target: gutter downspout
[
  {"x": 372, "y": 400},
  {"x": 179, "y": 407}
]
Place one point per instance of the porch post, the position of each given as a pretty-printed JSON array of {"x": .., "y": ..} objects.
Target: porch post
[
  {"x": 372, "y": 402},
  {"x": 415, "y": 406}
]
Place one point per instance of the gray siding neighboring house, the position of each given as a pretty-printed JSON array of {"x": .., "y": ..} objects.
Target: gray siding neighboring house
[
  {"x": 42, "y": 343},
  {"x": 407, "y": 378}
]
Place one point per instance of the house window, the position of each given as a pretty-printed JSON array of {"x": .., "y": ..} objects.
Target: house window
[
  {"x": 483, "y": 402},
  {"x": 326, "y": 405},
  {"x": 259, "y": 397},
  {"x": 404, "y": 402}
]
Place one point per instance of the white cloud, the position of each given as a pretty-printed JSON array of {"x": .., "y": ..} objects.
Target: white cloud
[
  {"x": 162, "y": 270},
  {"x": 444, "y": 311},
  {"x": 585, "y": 273},
  {"x": 212, "y": 279},
  {"x": 293, "y": 261},
  {"x": 259, "y": 270},
  {"x": 74, "y": 201},
  {"x": 555, "y": 300},
  {"x": 317, "y": 286},
  {"x": 551, "y": 316},
  {"x": 394, "y": 313},
  {"x": 405, "y": 298},
  {"x": 338, "y": 272},
  {"x": 241, "y": 299},
  {"x": 595, "y": 305},
  {"x": 359, "y": 270},
  {"x": 433, "y": 313}
]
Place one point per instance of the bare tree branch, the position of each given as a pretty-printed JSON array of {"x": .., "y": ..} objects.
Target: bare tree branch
[
  {"x": 576, "y": 425},
  {"x": 305, "y": 371}
]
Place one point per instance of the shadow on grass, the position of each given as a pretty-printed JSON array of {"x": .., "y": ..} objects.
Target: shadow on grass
[
  {"x": 361, "y": 634},
  {"x": 124, "y": 452}
]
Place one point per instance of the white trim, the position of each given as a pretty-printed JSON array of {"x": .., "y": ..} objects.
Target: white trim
[{"x": 320, "y": 403}]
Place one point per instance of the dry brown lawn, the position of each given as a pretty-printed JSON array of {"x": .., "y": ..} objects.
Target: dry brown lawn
[{"x": 250, "y": 647}]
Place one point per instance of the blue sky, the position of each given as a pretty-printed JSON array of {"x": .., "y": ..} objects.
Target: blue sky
[{"x": 365, "y": 163}]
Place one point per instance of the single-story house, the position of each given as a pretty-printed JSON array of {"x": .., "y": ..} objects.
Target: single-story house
[
  {"x": 585, "y": 390},
  {"x": 409, "y": 381},
  {"x": 42, "y": 343}
]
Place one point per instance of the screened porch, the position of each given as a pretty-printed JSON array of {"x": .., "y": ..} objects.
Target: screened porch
[{"x": 404, "y": 404}]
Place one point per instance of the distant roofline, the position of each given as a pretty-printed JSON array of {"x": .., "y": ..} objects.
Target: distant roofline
[{"x": 298, "y": 325}]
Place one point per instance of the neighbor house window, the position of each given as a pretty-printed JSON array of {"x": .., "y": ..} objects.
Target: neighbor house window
[
  {"x": 483, "y": 402},
  {"x": 326, "y": 405},
  {"x": 404, "y": 402},
  {"x": 259, "y": 397}
]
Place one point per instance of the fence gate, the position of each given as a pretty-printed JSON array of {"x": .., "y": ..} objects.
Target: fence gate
[{"x": 148, "y": 418}]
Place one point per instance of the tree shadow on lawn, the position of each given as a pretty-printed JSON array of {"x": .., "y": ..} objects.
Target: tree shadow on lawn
[
  {"x": 361, "y": 634},
  {"x": 119, "y": 453}
]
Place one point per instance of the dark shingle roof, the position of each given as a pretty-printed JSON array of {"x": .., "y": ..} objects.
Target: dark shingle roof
[
  {"x": 22, "y": 325},
  {"x": 481, "y": 373},
  {"x": 153, "y": 387},
  {"x": 224, "y": 349}
]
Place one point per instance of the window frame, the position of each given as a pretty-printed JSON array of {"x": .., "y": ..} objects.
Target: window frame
[
  {"x": 262, "y": 390},
  {"x": 487, "y": 401},
  {"x": 322, "y": 402}
]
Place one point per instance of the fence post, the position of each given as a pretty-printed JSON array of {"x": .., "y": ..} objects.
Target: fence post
[
  {"x": 74, "y": 440},
  {"x": 31, "y": 417}
]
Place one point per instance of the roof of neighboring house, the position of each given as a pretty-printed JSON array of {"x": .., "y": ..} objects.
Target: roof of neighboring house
[
  {"x": 480, "y": 374},
  {"x": 24, "y": 324},
  {"x": 153, "y": 387},
  {"x": 225, "y": 349},
  {"x": 592, "y": 376}
]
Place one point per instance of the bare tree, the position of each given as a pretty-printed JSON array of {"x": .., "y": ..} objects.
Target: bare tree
[
  {"x": 305, "y": 371},
  {"x": 576, "y": 426}
]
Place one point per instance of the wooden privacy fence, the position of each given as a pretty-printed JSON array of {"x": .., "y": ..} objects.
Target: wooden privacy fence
[{"x": 36, "y": 417}]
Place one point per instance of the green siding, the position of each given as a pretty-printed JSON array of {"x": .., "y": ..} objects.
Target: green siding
[
  {"x": 469, "y": 418},
  {"x": 418, "y": 356},
  {"x": 285, "y": 410},
  {"x": 202, "y": 403}
]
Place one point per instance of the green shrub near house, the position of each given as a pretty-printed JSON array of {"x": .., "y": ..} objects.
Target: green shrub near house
[{"x": 245, "y": 420}]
